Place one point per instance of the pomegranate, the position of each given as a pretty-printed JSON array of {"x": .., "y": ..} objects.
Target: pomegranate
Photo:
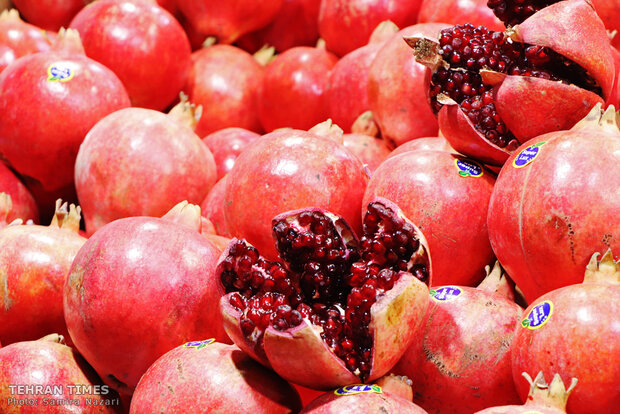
[
  {"x": 18, "y": 38},
  {"x": 396, "y": 384},
  {"x": 287, "y": 170},
  {"x": 478, "y": 77},
  {"x": 46, "y": 375},
  {"x": 225, "y": 80},
  {"x": 35, "y": 261},
  {"x": 49, "y": 14},
  {"x": 458, "y": 12},
  {"x": 64, "y": 93},
  {"x": 227, "y": 20},
  {"x": 543, "y": 398},
  {"x": 347, "y": 24},
  {"x": 142, "y": 43},
  {"x": 293, "y": 90},
  {"x": 331, "y": 299},
  {"x": 233, "y": 382},
  {"x": 364, "y": 144},
  {"x": 447, "y": 196},
  {"x": 608, "y": 12},
  {"x": 464, "y": 351},
  {"x": 139, "y": 161},
  {"x": 524, "y": 215},
  {"x": 423, "y": 144},
  {"x": 226, "y": 145},
  {"x": 296, "y": 24},
  {"x": 212, "y": 207},
  {"x": 396, "y": 87},
  {"x": 575, "y": 331},
  {"x": 361, "y": 398},
  {"x": 121, "y": 330},
  {"x": 22, "y": 203},
  {"x": 347, "y": 92}
]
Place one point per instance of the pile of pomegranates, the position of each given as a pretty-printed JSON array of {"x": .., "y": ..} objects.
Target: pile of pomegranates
[{"x": 310, "y": 206}]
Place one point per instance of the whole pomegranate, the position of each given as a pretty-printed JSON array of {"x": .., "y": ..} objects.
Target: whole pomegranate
[
  {"x": 18, "y": 38},
  {"x": 423, "y": 144},
  {"x": 22, "y": 203},
  {"x": 233, "y": 382},
  {"x": 325, "y": 314},
  {"x": 455, "y": 12},
  {"x": 142, "y": 43},
  {"x": 543, "y": 398},
  {"x": 34, "y": 263},
  {"x": 464, "y": 349},
  {"x": 64, "y": 93},
  {"x": 47, "y": 376},
  {"x": 396, "y": 89},
  {"x": 346, "y": 25},
  {"x": 225, "y": 80},
  {"x": 121, "y": 329},
  {"x": 287, "y": 170},
  {"x": 478, "y": 77},
  {"x": 575, "y": 331},
  {"x": 212, "y": 207},
  {"x": 524, "y": 216},
  {"x": 447, "y": 196},
  {"x": 292, "y": 93},
  {"x": 226, "y": 145},
  {"x": 49, "y": 14},
  {"x": 140, "y": 162}
]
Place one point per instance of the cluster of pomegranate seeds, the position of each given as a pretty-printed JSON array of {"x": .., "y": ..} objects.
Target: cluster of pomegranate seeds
[
  {"x": 513, "y": 12},
  {"x": 332, "y": 280}
]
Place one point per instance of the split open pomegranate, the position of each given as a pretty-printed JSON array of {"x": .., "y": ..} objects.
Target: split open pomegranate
[{"x": 336, "y": 310}]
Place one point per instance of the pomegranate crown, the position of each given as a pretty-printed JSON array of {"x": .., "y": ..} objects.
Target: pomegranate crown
[
  {"x": 605, "y": 270},
  {"x": 554, "y": 394}
]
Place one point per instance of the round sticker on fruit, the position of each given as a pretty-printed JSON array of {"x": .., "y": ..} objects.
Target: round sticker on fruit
[
  {"x": 527, "y": 155},
  {"x": 359, "y": 389},
  {"x": 538, "y": 316},
  {"x": 468, "y": 168},
  {"x": 60, "y": 72},
  {"x": 199, "y": 344},
  {"x": 446, "y": 293}
]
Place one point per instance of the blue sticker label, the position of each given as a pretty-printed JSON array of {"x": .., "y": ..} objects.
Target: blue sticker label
[
  {"x": 445, "y": 293},
  {"x": 468, "y": 168},
  {"x": 60, "y": 72},
  {"x": 527, "y": 155},
  {"x": 538, "y": 316},
  {"x": 359, "y": 389},
  {"x": 199, "y": 344}
]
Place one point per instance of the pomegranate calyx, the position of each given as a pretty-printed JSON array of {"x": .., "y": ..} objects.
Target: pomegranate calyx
[
  {"x": 67, "y": 216},
  {"x": 554, "y": 394},
  {"x": 6, "y": 205},
  {"x": 399, "y": 385},
  {"x": 327, "y": 129},
  {"x": 426, "y": 51},
  {"x": 56, "y": 338},
  {"x": 383, "y": 32},
  {"x": 68, "y": 41},
  {"x": 265, "y": 55},
  {"x": 186, "y": 112},
  {"x": 10, "y": 15},
  {"x": 365, "y": 124},
  {"x": 606, "y": 270},
  {"x": 599, "y": 119},
  {"x": 497, "y": 282},
  {"x": 185, "y": 214}
]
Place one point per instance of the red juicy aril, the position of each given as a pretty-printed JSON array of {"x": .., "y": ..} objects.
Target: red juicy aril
[
  {"x": 493, "y": 91},
  {"x": 18, "y": 38},
  {"x": 334, "y": 310}
]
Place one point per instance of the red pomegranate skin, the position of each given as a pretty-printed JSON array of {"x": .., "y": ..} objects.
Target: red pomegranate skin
[
  {"x": 287, "y": 170},
  {"x": 296, "y": 24},
  {"x": 371, "y": 151},
  {"x": 212, "y": 377},
  {"x": 423, "y": 144},
  {"x": 226, "y": 145},
  {"x": 49, "y": 14},
  {"x": 608, "y": 12},
  {"x": 140, "y": 162},
  {"x": 58, "y": 366},
  {"x": 212, "y": 207},
  {"x": 456, "y": 12},
  {"x": 450, "y": 209},
  {"x": 22, "y": 202},
  {"x": 463, "y": 352},
  {"x": 615, "y": 90},
  {"x": 292, "y": 93},
  {"x": 121, "y": 329},
  {"x": 61, "y": 110},
  {"x": 18, "y": 38},
  {"x": 35, "y": 262},
  {"x": 397, "y": 89},
  {"x": 346, "y": 25},
  {"x": 227, "y": 20},
  {"x": 142, "y": 43},
  {"x": 225, "y": 80}
]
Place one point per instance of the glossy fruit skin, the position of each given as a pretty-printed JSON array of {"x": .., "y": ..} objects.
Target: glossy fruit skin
[
  {"x": 346, "y": 25},
  {"x": 456, "y": 12},
  {"x": 212, "y": 207},
  {"x": 154, "y": 64},
  {"x": 394, "y": 74},
  {"x": 54, "y": 364},
  {"x": 18, "y": 38},
  {"x": 49, "y": 14},
  {"x": 287, "y": 170},
  {"x": 226, "y": 145},
  {"x": 293, "y": 89},
  {"x": 608, "y": 12},
  {"x": 140, "y": 162},
  {"x": 450, "y": 209},
  {"x": 423, "y": 144},
  {"x": 64, "y": 111},
  {"x": 225, "y": 80},
  {"x": 370, "y": 150},
  {"x": 23, "y": 205},
  {"x": 579, "y": 340},
  {"x": 233, "y": 382},
  {"x": 122, "y": 330}
]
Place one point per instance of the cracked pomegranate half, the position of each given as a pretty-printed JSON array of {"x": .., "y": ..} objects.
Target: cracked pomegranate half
[
  {"x": 335, "y": 310},
  {"x": 493, "y": 91}
]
